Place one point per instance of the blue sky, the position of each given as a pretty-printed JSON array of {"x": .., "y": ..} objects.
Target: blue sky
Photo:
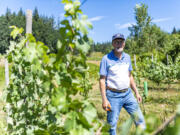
[{"x": 107, "y": 16}]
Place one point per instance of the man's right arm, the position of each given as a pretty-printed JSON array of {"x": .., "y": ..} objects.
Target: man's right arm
[{"x": 102, "y": 84}]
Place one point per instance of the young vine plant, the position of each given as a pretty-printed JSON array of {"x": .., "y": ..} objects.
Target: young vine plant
[{"x": 48, "y": 93}]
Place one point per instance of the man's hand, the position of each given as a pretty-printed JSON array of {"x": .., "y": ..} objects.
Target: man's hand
[
  {"x": 139, "y": 98},
  {"x": 106, "y": 105},
  {"x": 133, "y": 86}
]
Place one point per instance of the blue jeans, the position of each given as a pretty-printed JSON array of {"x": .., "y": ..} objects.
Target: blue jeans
[{"x": 119, "y": 100}]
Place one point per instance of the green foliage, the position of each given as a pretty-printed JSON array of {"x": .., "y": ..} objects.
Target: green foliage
[
  {"x": 2, "y": 79},
  {"x": 156, "y": 71},
  {"x": 16, "y": 31},
  {"x": 5, "y": 22},
  {"x": 159, "y": 72},
  {"x": 173, "y": 49},
  {"x": 94, "y": 71},
  {"x": 178, "y": 67},
  {"x": 42, "y": 95}
]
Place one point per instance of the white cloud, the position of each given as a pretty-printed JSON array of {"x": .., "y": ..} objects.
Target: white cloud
[
  {"x": 126, "y": 25},
  {"x": 97, "y": 18},
  {"x": 123, "y": 26},
  {"x": 92, "y": 32},
  {"x": 61, "y": 15},
  {"x": 161, "y": 20},
  {"x": 138, "y": 6}
]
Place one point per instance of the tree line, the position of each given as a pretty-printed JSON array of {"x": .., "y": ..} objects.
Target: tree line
[{"x": 44, "y": 28}]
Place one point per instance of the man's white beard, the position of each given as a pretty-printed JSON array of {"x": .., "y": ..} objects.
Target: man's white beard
[{"x": 119, "y": 50}]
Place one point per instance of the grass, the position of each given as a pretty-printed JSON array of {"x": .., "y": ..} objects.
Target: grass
[
  {"x": 93, "y": 71},
  {"x": 2, "y": 77},
  {"x": 95, "y": 56}
]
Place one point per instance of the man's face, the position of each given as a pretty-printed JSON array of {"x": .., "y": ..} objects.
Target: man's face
[{"x": 118, "y": 45}]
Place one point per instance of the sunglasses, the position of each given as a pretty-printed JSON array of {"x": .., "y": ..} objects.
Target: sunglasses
[{"x": 118, "y": 42}]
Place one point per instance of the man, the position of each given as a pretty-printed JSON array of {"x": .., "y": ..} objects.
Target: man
[{"x": 115, "y": 82}]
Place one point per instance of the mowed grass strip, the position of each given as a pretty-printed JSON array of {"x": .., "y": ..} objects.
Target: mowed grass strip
[
  {"x": 95, "y": 56},
  {"x": 2, "y": 77}
]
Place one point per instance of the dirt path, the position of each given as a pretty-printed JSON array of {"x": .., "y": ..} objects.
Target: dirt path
[
  {"x": 2, "y": 62},
  {"x": 94, "y": 62}
]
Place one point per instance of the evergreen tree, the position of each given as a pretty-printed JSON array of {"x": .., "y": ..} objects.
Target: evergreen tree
[
  {"x": 5, "y": 22},
  {"x": 43, "y": 28},
  {"x": 174, "y": 31}
]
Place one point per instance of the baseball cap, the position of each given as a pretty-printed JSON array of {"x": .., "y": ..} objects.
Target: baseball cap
[{"x": 118, "y": 35}]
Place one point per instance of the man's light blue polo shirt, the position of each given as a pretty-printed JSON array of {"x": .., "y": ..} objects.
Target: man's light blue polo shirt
[{"x": 116, "y": 70}]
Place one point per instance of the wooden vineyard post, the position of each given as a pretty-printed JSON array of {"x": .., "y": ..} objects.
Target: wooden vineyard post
[
  {"x": 28, "y": 23},
  {"x": 135, "y": 60},
  {"x": 6, "y": 72}
]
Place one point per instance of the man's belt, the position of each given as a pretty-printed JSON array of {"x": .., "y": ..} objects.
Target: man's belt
[{"x": 116, "y": 90}]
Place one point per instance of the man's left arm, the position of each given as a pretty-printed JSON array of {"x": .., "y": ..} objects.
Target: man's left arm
[{"x": 134, "y": 88}]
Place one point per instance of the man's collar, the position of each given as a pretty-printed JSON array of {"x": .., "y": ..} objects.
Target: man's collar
[{"x": 122, "y": 55}]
